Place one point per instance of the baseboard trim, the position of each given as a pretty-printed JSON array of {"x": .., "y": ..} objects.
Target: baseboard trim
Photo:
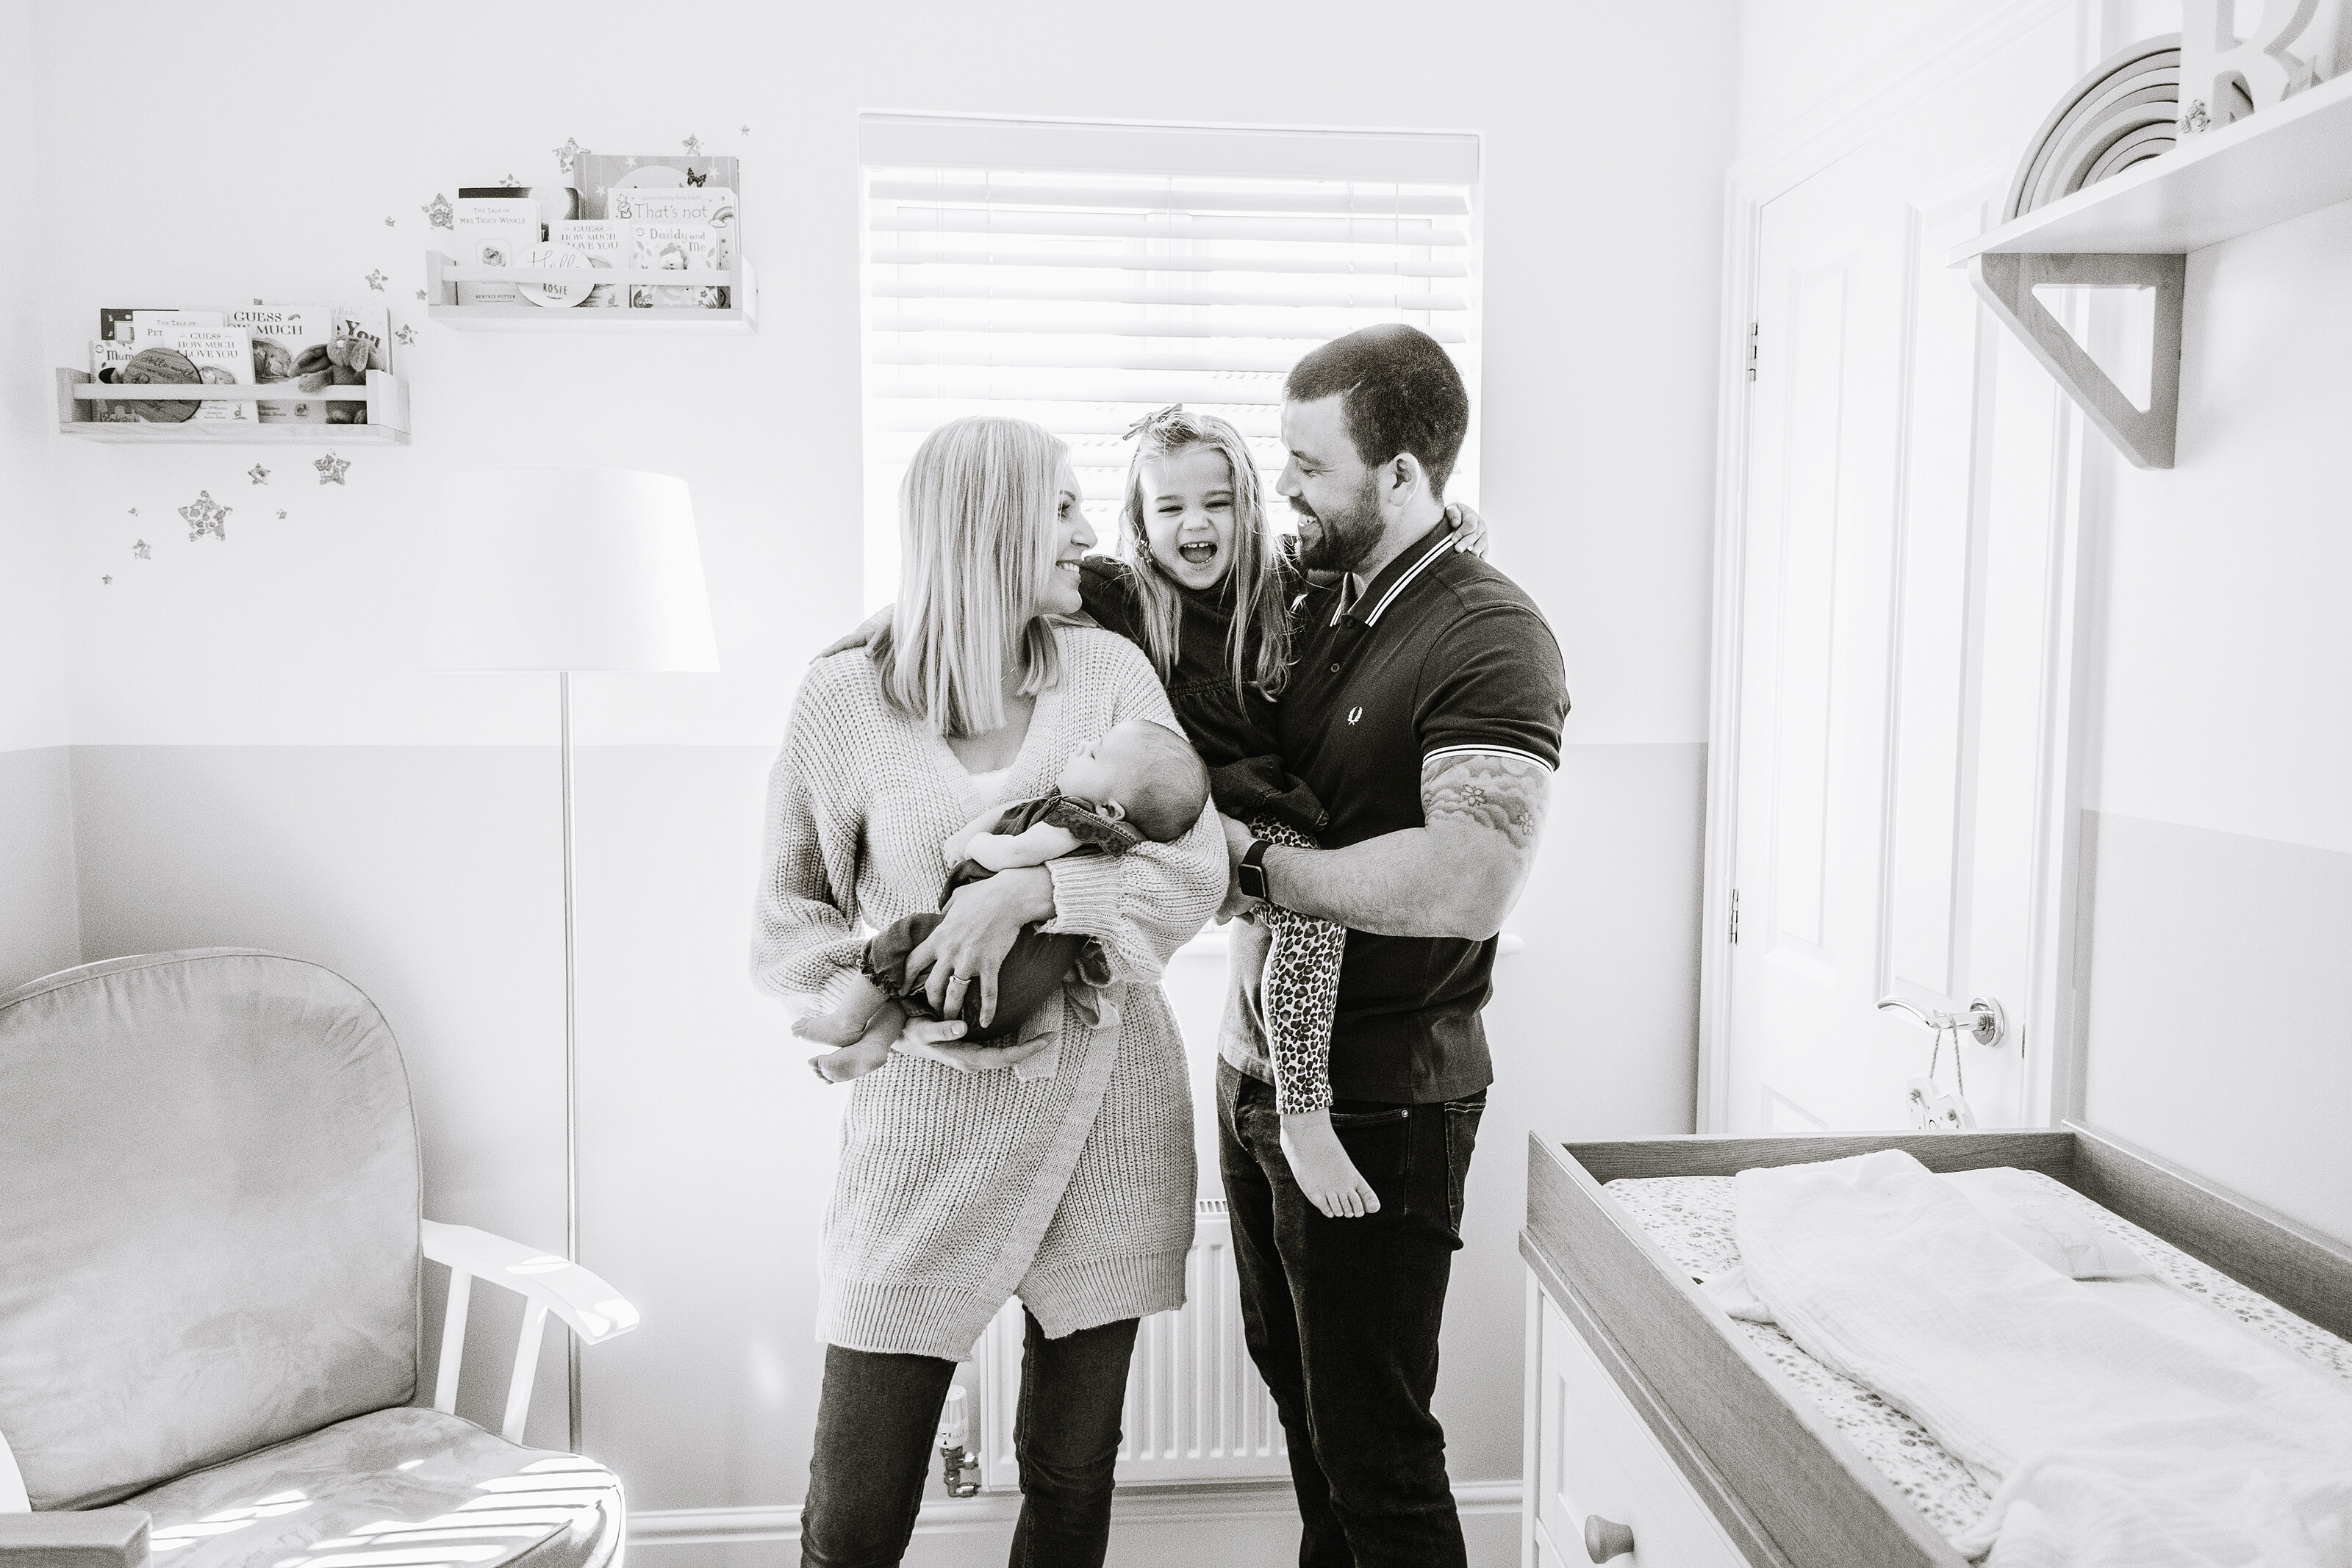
[{"x": 992, "y": 1511}]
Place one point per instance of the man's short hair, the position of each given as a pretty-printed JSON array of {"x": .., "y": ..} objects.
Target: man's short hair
[
  {"x": 1175, "y": 785},
  {"x": 1401, "y": 395}
]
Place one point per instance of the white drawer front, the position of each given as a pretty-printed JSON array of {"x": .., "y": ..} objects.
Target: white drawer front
[{"x": 1595, "y": 1457}]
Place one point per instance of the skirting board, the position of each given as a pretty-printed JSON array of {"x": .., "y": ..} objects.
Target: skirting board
[{"x": 993, "y": 1512}]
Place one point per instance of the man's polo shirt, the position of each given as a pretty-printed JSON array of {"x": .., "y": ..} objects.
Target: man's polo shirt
[{"x": 1440, "y": 654}]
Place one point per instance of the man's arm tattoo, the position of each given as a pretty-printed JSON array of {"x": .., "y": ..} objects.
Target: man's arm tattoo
[{"x": 1489, "y": 789}]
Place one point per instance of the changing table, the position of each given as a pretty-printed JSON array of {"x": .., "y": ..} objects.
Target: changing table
[{"x": 1659, "y": 1432}]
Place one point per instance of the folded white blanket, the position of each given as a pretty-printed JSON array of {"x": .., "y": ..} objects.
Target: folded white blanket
[{"x": 2126, "y": 1427}]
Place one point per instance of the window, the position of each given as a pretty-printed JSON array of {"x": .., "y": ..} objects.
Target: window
[{"x": 1082, "y": 276}]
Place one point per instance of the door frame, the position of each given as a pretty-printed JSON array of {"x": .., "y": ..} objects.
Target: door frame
[{"x": 2048, "y": 1017}]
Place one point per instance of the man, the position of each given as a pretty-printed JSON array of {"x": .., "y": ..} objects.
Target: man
[{"x": 1424, "y": 710}]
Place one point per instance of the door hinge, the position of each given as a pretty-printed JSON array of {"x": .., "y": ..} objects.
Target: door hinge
[
  {"x": 1735, "y": 917},
  {"x": 1751, "y": 350}
]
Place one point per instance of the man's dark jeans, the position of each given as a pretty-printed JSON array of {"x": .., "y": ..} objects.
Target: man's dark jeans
[
  {"x": 1342, "y": 1317},
  {"x": 879, "y": 1413}
]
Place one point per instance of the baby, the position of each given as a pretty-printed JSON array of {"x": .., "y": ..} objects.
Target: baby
[{"x": 1139, "y": 782}]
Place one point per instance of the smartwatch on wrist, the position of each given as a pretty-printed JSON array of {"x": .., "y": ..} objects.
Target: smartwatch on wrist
[{"x": 1251, "y": 872}]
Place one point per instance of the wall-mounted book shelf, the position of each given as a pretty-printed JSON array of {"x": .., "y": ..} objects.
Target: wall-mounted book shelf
[
  {"x": 385, "y": 395},
  {"x": 2137, "y": 229},
  {"x": 443, "y": 274}
]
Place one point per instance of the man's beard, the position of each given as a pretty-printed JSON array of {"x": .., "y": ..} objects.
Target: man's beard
[{"x": 1341, "y": 540}]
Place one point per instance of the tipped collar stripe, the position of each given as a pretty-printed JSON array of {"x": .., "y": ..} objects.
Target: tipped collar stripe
[{"x": 1400, "y": 585}]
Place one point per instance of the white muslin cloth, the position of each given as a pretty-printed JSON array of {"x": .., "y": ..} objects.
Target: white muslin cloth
[{"x": 2118, "y": 1426}]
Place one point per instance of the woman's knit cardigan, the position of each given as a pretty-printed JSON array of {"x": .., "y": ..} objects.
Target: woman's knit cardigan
[{"x": 955, "y": 1191}]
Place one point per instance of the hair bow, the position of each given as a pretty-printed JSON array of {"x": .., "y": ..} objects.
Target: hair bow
[{"x": 1149, "y": 420}]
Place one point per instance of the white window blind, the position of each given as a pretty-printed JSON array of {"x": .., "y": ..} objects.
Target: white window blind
[{"x": 1084, "y": 275}]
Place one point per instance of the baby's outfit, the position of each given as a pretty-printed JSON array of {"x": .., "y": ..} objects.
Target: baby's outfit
[
  {"x": 1234, "y": 735},
  {"x": 1037, "y": 964}
]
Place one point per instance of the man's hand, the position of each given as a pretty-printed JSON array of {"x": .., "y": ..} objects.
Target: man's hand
[{"x": 971, "y": 940}]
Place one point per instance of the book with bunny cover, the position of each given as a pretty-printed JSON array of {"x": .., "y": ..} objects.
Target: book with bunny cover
[
  {"x": 282, "y": 336},
  {"x": 672, "y": 247}
]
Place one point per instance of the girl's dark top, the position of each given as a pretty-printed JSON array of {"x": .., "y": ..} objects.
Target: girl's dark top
[{"x": 1235, "y": 736}]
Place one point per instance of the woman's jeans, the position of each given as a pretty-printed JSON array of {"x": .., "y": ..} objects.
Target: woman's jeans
[{"x": 879, "y": 1412}]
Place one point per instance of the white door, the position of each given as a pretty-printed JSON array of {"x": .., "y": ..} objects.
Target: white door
[{"x": 1905, "y": 493}]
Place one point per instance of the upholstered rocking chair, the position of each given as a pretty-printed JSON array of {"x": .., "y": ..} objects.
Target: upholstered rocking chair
[{"x": 210, "y": 1262}]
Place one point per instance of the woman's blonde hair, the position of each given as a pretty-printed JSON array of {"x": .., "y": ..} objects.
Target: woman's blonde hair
[
  {"x": 1259, "y": 650},
  {"x": 976, "y": 535}
]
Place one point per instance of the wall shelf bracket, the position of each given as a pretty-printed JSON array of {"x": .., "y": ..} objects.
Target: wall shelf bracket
[{"x": 2006, "y": 281}]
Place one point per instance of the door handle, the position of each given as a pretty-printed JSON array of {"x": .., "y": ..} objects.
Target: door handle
[
  {"x": 1985, "y": 1018},
  {"x": 1605, "y": 1538}
]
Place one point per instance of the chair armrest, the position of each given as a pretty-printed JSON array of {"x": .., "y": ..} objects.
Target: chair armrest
[
  {"x": 75, "y": 1538},
  {"x": 593, "y": 1310}
]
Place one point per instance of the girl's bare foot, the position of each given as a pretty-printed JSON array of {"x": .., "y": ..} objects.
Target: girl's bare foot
[{"x": 1320, "y": 1166}]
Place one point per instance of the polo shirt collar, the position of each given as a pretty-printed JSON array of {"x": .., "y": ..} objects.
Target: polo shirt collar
[{"x": 1410, "y": 565}]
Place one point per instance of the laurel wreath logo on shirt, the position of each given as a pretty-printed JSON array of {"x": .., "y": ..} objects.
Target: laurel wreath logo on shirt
[{"x": 1354, "y": 713}]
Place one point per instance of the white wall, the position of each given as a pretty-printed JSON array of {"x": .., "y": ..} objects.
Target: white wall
[
  {"x": 257, "y": 759},
  {"x": 2223, "y": 871},
  {"x": 39, "y": 923}
]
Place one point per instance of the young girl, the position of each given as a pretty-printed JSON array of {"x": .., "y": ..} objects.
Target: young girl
[
  {"x": 1201, "y": 584},
  {"x": 1201, "y": 587}
]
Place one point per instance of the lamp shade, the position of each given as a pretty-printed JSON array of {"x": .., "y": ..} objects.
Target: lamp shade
[{"x": 569, "y": 568}]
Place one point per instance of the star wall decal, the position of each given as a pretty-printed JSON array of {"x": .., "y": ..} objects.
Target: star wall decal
[
  {"x": 406, "y": 335},
  {"x": 510, "y": 182},
  {"x": 376, "y": 280},
  {"x": 439, "y": 212},
  {"x": 258, "y": 474},
  {"x": 331, "y": 468},
  {"x": 281, "y": 514},
  {"x": 747, "y": 130},
  {"x": 106, "y": 581},
  {"x": 693, "y": 145},
  {"x": 391, "y": 223},
  {"x": 567, "y": 154},
  {"x": 421, "y": 296},
  {"x": 134, "y": 511},
  {"x": 142, "y": 550},
  {"x": 206, "y": 516}
]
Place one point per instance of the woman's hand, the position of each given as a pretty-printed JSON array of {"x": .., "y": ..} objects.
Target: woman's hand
[
  {"x": 860, "y": 636},
  {"x": 925, "y": 1039},
  {"x": 973, "y": 937}
]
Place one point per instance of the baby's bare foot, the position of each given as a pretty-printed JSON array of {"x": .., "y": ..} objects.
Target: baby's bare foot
[
  {"x": 1320, "y": 1166},
  {"x": 850, "y": 1061},
  {"x": 830, "y": 1028}
]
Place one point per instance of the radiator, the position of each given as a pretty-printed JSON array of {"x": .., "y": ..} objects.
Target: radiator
[{"x": 1196, "y": 1410}]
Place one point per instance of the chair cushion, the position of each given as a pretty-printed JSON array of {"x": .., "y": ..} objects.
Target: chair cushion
[
  {"x": 395, "y": 1489},
  {"x": 210, "y": 1221}
]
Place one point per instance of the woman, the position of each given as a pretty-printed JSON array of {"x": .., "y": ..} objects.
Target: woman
[{"x": 1068, "y": 1180}]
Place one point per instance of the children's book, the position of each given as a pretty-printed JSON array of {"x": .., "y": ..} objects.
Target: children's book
[
  {"x": 477, "y": 211},
  {"x": 281, "y": 334},
  {"x": 493, "y": 244},
  {"x": 223, "y": 357},
  {"x": 149, "y": 326},
  {"x": 605, "y": 243},
  {"x": 675, "y": 204},
  {"x": 672, "y": 248},
  {"x": 107, "y": 356},
  {"x": 598, "y": 174},
  {"x": 114, "y": 321}
]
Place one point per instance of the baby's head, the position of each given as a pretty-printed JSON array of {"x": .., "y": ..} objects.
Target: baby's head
[{"x": 1144, "y": 775}]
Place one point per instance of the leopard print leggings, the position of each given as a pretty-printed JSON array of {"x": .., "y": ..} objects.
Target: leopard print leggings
[{"x": 1301, "y": 991}]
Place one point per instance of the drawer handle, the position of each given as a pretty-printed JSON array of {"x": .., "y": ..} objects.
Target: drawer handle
[{"x": 1605, "y": 1538}]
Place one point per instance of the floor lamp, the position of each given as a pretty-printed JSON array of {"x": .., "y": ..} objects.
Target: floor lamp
[{"x": 558, "y": 570}]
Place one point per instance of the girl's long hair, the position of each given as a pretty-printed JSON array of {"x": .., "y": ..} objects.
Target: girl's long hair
[
  {"x": 1258, "y": 649},
  {"x": 976, "y": 536}
]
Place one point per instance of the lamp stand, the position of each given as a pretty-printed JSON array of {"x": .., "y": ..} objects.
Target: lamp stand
[{"x": 571, "y": 1065}]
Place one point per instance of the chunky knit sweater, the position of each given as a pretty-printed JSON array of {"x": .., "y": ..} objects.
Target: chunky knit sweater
[{"x": 955, "y": 1192}]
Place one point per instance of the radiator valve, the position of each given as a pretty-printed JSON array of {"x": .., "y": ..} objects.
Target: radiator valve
[{"x": 958, "y": 1465}]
